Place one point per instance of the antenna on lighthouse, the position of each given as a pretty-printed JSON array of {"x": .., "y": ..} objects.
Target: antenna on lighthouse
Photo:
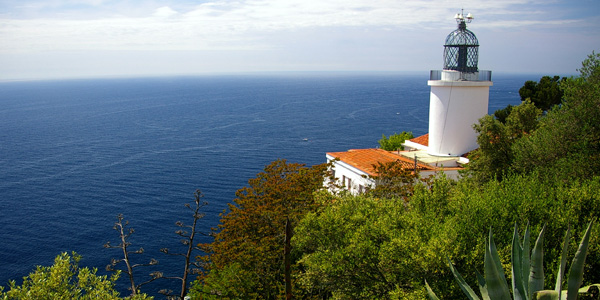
[{"x": 461, "y": 18}]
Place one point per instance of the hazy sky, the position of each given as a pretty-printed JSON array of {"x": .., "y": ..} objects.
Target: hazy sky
[{"x": 90, "y": 38}]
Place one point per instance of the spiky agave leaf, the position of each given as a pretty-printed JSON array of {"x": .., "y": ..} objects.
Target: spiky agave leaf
[
  {"x": 593, "y": 289},
  {"x": 462, "y": 283},
  {"x": 482, "y": 286},
  {"x": 430, "y": 292},
  {"x": 494, "y": 274},
  {"x": 563, "y": 261},
  {"x": 546, "y": 295},
  {"x": 536, "y": 273},
  {"x": 517, "y": 267},
  {"x": 576, "y": 270},
  {"x": 526, "y": 261}
]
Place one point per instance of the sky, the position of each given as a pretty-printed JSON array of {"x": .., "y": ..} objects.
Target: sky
[{"x": 55, "y": 39}]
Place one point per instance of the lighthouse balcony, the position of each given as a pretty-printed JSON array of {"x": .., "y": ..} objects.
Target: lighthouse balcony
[{"x": 451, "y": 75}]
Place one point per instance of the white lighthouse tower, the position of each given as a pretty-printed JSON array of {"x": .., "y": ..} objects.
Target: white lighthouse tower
[{"x": 459, "y": 94}]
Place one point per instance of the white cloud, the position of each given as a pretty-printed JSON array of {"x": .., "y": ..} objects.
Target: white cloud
[
  {"x": 164, "y": 12},
  {"x": 325, "y": 30},
  {"x": 213, "y": 24}
]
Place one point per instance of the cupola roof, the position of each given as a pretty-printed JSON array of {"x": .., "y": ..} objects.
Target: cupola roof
[{"x": 461, "y": 47}]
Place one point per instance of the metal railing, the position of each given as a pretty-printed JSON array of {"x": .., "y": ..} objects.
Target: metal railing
[
  {"x": 435, "y": 75},
  {"x": 484, "y": 75}
]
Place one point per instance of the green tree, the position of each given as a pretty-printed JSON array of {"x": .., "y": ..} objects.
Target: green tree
[
  {"x": 393, "y": 180},
  {"x": 523, "y": 198},
  {"x": 563, "y": 143},
  {"x": 495, "y": 156},
  {"x": 523, "y": 120},
  {"x": 248, "y": 248},
  {"x": 567, "y": 143},
  {"x": 589, "y": 68},
  {"x": 543, "y": 94},
  {"x": 503, "y": 113},
  {"x": 342, "y": 247},
  {"x": 361, "y": 247},
  {"x": 527, "y": 272},
  {"x": 65, "y": 280},
  {"x": 394, "y": 141}
]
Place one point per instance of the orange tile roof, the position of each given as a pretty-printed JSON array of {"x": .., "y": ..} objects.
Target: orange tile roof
[
  {"x": 365, "y": 159},
  {"x": 423, "y": 140}
]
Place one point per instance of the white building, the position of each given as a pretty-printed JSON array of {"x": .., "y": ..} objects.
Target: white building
[
  {"x": 354, "y": 168},
  {"x": 459, "y": 98}
]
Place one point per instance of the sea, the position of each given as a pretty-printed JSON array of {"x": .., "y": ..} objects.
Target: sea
[{"x": 76, "y": 153}]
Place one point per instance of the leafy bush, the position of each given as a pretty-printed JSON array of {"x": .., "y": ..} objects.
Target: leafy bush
[
  {"x": 361, "y": 247},
  {"x": 65, "y": 280},
  {"x": 394, "y": 141}
]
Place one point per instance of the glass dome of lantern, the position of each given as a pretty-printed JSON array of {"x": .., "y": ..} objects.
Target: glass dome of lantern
[{"x": 461, "y": 47}]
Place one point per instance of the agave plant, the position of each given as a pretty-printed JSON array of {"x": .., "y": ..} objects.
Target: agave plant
[{"x": 527, "y": 272}]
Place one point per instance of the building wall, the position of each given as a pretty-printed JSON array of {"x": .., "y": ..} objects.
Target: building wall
[
  {"x": 454, "y": 107},
  {"x": 356, "y": 181},
  {"x": 353, "y": 179}
]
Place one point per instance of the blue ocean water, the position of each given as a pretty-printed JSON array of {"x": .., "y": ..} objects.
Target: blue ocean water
[{"x": 74, "y": 154}]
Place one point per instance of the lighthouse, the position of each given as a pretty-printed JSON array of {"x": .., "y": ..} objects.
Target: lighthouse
[
  {"x": 459, "y": 98},
  {"x": 459, "y": 94}
]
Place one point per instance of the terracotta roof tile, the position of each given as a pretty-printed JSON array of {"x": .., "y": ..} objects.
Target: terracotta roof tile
[
  {"x": 423, "y": 140},
  {"x": 365, "y": 159}
]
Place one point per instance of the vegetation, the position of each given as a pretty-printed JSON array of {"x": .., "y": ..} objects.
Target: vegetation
[
  {"x": 564, "y": 143},
  {"x": 124, "y": 245},
  {"x": 568, "y": 139},
  {"x": 190, "y": 266},
  {"x": 528, "y": 168},
  {"x": 394, "y": 141},
  {"x": 385, "y": 248},
  {"x": 544, "y": 94},
  {"x": 358, "y": 247},
  {"x": 247, "y": 255},
  {"x": 65, "y": 280},
  {"x": 393, "y": 181},
  {"x": 527, "y": 271},
  {"x": 496, "y": 139}
]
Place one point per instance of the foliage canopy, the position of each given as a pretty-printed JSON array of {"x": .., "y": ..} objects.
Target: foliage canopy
[
  {"x": 360, "y": 247},
  {"x": 564, "y": 143},
  {"x": 394, "y": 141},
  {"x": 246, "y": 256},
  {"x": 65, "y": 280},
  {"x": 543, "y": 94}
]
